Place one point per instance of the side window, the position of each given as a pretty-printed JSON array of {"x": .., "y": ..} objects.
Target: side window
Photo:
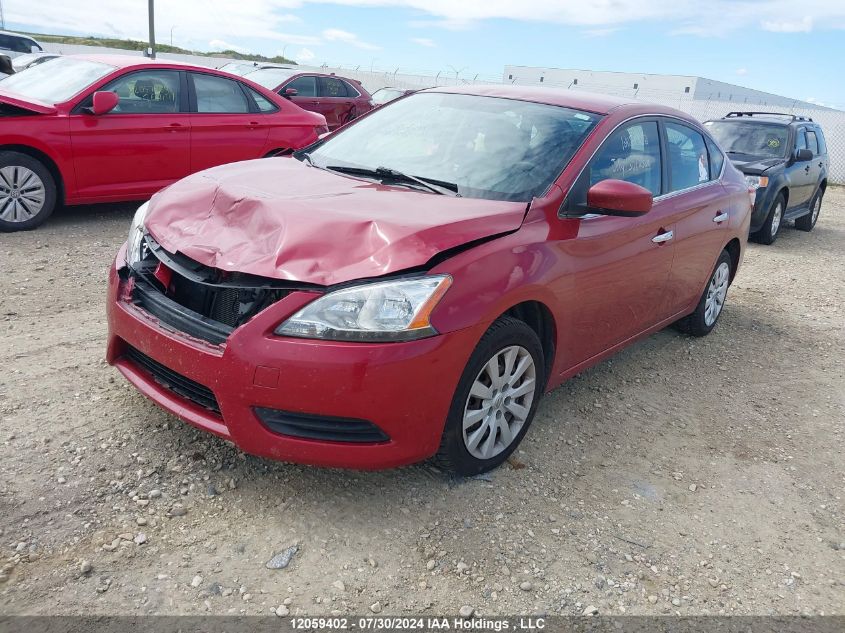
[
  {"x": 332, "y": 87},
  {"x": 812, "y": 142},
  {"x": 146, "y": 92},
  {"x": 351, "y": 91},
  {"x": 217, "y": 94},
  {"x": 630, "y": 153},
  {"x": 264, "y": 104},
  {"x": 717, "y": 159},
  {"x": 801, "y": 138},
  {"x": 820, "y": 138},
  {"x": 687, "y": 157},
  {"x": 305, "y": 86}
]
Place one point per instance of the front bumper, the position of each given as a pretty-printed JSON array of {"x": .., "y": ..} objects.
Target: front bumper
[{"x": 404, "y": 389}]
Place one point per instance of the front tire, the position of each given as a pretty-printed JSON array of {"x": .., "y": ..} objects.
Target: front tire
[
  {"x": 495, "y": 401},
  {"x": 807, "y": 222},
  {"x": 709, "y": 308},
  {"x": 27, "y": 192},
  {"x": 768, "y": 233}
]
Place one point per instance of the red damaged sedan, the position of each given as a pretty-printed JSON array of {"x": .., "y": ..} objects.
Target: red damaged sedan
[
  {"x": 410, "y": 286},
  {"x": 85, "y": 129}
]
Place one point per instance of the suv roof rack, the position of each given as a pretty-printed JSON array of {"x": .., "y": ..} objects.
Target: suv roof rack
[{"x": 792, "y": 117}]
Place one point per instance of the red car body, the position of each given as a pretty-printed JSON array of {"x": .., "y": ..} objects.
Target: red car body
[
  {"x": 602, "y": 282},
  {"x": 337, "y": 98},
  {"x": 129, "y": 156}
]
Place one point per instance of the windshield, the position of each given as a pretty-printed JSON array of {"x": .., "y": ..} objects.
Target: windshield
[
  {"x": 239, "y": 68},
  {"x": 493, "y": 148},
  {"x": 271, "y": 78},
  {"x": 386, "y": 94},
  {"x": 766, "y": 140},
  {"x": 56, "y": 80}
]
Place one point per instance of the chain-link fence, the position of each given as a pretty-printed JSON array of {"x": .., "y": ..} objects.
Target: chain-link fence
[{"x": 832, "y": 121}]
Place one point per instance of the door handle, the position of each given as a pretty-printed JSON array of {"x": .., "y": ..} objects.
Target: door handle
[
  {"x": 663, "y": 237},
  {"x": 807, "y": 169},
  {"x": 174, "y": 127},
  {"x": 721, "y": 217}
]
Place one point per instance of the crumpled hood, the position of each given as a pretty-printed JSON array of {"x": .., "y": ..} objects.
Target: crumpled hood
[
  {"x": 756, "y": 165},
  {"x": 38, "y": 107},
  {"x": 283, "y": 219}
]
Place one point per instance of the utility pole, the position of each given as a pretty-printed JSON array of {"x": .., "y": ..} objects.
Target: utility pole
[
  {"x": 152, "y": 50},
  {"x": 2, "y": 17}
]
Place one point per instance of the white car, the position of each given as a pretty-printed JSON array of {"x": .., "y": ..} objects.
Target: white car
[{"x": 14, "y": 44}]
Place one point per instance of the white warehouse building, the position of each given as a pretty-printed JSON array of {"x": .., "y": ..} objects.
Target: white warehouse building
[{"x": 661, "y": 88}]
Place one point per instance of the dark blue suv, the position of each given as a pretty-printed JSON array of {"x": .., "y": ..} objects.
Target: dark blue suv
[{"x": 784, "y": 159}]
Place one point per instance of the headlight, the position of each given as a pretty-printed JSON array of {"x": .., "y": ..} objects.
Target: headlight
[
  {"x": 386, "y": 311},
  {"x": 756, "y": 182},
  {"x": 136, "y": 235}
]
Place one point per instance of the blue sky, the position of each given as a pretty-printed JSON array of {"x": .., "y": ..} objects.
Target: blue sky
[{"x": 785, "y": 47}]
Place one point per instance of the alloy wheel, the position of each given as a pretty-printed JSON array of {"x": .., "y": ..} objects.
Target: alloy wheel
[
  {"x": 817, "y": 205},
  {"x": 777, "y": 216},
  {"x": 499, "y": 402},
  {"x": 22, "y": 194},
  {"x": 717, "y": 290}
]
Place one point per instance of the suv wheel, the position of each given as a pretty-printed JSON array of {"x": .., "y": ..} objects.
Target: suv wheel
[
  {"x": 807, "y": 222},
  {"x": 495, "y": 401},
  {"x": 768, "y": 233},
  {"x": 27, "y": 192}
]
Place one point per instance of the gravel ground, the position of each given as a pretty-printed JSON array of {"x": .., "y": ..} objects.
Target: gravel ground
[{"x": 683, "y": 476}]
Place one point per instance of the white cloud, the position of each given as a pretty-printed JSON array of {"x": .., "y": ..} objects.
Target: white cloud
[
  {"x": 338, "y": 35},
  {"x": 600, "y": 32},
  {"x": 741, "y": 71},
  {"x": 804, "y": 25},
  {"x": 423, "y": 41},
  {"x": 304, "y": 55}
]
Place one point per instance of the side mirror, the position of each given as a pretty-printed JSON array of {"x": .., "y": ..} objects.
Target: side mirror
[
  {"x": 104, "y": 102},
  {"x": 803, "y": 155},
  {"x": 619, "y": 197},
  {"x": 289, "y": 92}
]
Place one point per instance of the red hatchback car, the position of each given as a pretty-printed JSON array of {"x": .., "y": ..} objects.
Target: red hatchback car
[
  {"x": 339, "y": 99},
  {"x": 413, "y": 284},
  {"x": 83, "y": 129}
]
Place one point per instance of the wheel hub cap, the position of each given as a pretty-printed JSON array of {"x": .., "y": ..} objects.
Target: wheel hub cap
[
  {"x": 22, "y": 194},
  {"x": 717, "y": 289},
  {"x": 499, "y": 402}
]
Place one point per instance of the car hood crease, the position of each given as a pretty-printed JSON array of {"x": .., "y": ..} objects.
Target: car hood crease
[{"x": 282, "y": 219}]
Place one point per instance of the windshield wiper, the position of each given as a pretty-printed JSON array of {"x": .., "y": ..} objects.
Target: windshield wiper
[{"x": 386, "y": 173}]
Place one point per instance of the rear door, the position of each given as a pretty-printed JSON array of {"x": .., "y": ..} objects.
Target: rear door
[
  {"x": 817, "y": 164},
  {"x": 801, "y": 182},
  {"x": 140, "y": 146},
  {"x": 701, "y": 211},
  {"x": 338, "y": 105},
  {"x": 226, "y": 125}
]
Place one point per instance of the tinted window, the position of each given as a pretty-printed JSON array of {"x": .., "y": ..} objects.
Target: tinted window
[
  {"x": 812, "y": 142},
  {"x": 800, "y": 139},
  {"x": 332, "y": 87},
  {"x": 145, "y": 92},
  {"x": 750, "y": 137},
  {"x": 17, "y": 44},
  {"x": 630, "y": 153},
  {"x": 351, "y": 91},
  {"x": 216, "y": 94},
  {"x": 687, "y": 157},
  {"x": 305, "y": 86},
  {"x": 264, "y": 105},
  {"x": 717, "y": 159},
  {"x": 822, "y": 144},
  {"x": 491, "y": 148}
]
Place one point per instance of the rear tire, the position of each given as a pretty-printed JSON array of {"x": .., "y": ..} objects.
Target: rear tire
[
  {"x": 490, "y": 414},
  {"x": 27, "y": 192},
  {"x": 710, "y": 306},
  {"x": 768, "y": 233},
  {"x": 807, "y": 222}
]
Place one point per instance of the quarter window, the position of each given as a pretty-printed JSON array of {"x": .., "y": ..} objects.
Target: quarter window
[
  {"x": 305, "y": 86},
  {"x": 687, "y": 157},
  {"x": 264, "y": 104},
  {"x": 146, "y": 92},
  {"x": 631, "y": 153},
  {"x": 219, "y": 95},
  {"x": 717, "y": 159},
  {"x": 350, "y": 90}
]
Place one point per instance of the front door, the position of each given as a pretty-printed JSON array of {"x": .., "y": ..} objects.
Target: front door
[
  {"x": 620, "y": 265},
  {"x": 307, "y": 93},
  {"x": 140, "y": 146}
]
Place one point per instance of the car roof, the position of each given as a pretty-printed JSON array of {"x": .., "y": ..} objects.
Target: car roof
[
  {"x": 21, "y": 35},
  {"x": 576, "y": 99},
  {"x": 130, "y": 61}
]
